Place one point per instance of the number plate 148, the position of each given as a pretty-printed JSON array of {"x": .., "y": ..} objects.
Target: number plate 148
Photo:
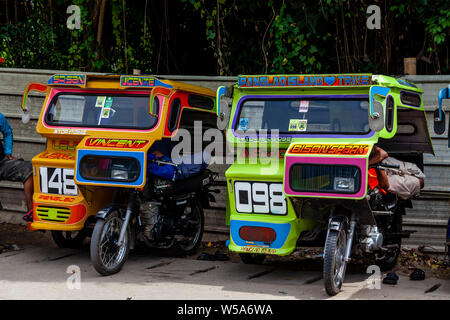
[{"x": 57, "y": 181}]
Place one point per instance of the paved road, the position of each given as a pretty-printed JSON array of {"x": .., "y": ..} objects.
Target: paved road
[{"x": 39, "y": 272}]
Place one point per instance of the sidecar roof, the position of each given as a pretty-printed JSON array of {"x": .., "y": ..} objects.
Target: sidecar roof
[{"x": 139, "y": 82}]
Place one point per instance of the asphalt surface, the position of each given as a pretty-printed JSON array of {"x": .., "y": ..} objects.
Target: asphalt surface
[{"x": 41, "y": 271}]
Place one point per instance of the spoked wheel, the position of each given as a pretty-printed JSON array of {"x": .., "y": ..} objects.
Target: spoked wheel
[
  {"x": 69, "y": 239},
  {"x": 334, "y": 264},
  {"x": 252, "y": 258},
  {"x": 106, "y": 254},
  {"x": 193, "y": 225}
]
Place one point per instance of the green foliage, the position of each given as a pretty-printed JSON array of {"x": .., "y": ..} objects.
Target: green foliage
[{"x": 234, "y": 36}]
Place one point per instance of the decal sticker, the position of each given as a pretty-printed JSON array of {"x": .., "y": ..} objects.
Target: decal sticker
[
  {"x": 141, "y": 82},
  {"x": 260, "y": 197},
  {"x": 302, "y": 124},
  {"x": 70, "y": 131},
  {"x": 106, "y": 112},
  {"x": 352, "y": 149},
  {"x": 57, "y": 181},
  {"x": 304, "y": 105},
  {"x": 116, "y": 143},
  {"x": 254, "y": 249},
  {"x": 246, "y": 81},
  {"x": 243, "y": 124},
  {"x": 68, "y": 79},
  {"x": 100, "y": 102},
  {"x": 57, "y": 155},
  {"x": 65, "y": 144},
  {"x": 293, "y": 124},
  {"x": 56, "y": 198},
  {"x": 108, "y": 102}
]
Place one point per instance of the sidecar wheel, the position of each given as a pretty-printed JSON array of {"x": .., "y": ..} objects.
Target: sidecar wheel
[
  {"x": 252, "y": 258},
  {"x": 69, "y": 239},
  {"x": 106, "y": 254},
  {"x": 334, "y": 264}
]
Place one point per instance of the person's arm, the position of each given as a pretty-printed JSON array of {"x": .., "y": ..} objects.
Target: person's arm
[
  {"x": 377, "y": 155},
  {"x": 6, "y": 130}
]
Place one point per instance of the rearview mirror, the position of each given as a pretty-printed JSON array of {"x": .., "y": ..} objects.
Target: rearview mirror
[
  {"x": 221, "y": 91},
  {"x": 224, "y": 117},
  {"x": 376, "y": 109},
  {"x": 154, "y": 106},
  {"x": 376, "y": 121},
  {"x": 439, "y": 114},
  {"x": 25, "y": 109}
]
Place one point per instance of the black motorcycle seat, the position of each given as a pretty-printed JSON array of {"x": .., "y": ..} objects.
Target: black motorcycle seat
[{"x": 191, "y": 184}]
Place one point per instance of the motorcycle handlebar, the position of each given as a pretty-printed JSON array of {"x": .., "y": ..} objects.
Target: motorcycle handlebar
[{"x": 384, "y": 165}]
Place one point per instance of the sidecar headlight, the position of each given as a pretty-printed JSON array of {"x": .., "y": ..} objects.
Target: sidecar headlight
[
  {"x": 119, "y": 172},
  {"x": 344, "y": 184},
  {"x": 124, "y": 169}
]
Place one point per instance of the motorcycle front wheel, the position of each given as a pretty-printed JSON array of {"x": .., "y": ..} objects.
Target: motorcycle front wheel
[
  {"x": 107, "y": 256},
  {"x": 334, "y": 263}
]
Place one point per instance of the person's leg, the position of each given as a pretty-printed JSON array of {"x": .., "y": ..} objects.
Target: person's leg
[
  {"x": 28, "y": 188},
  {"x": 20, "y": 170}
]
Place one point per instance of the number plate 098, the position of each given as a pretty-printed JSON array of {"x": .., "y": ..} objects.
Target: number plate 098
[{"x": 260, "y": 197}]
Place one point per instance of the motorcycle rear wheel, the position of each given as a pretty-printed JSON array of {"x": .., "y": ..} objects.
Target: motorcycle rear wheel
[
  {"x": 106, "y": 255},
  {"x": 194, "y": 231}
]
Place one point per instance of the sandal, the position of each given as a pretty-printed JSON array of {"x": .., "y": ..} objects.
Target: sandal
[
  {"x": 391, "y": 278},
  {"x": 417, "y": 274},
  {"x": 28, "y": 216}
]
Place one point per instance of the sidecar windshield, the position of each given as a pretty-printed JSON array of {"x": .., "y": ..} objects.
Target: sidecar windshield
[
  {"x": 304, "y": 115},
  {"x": 122, "y": 111}
]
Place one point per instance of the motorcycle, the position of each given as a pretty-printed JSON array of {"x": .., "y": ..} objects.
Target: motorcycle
[{"x": 164, "y": 215}]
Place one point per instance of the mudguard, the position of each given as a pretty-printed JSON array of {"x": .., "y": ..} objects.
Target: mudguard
[
  {"x": 103, "y": 213},
  {"x": 335, "y": 222}
]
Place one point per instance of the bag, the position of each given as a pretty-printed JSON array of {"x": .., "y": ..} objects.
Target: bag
[{"x": 404, "y": 181}]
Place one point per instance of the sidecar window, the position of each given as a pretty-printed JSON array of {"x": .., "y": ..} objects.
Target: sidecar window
[
  {"x": 304, "y": 115},
  {"x": 105, "y": 111}
]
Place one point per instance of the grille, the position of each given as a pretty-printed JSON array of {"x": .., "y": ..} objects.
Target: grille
[
  {"x": 53, "y": 214},
  {"x": 324, "y": 178}
]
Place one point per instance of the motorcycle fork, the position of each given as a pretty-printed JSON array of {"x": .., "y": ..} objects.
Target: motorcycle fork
[{"x": 130, "y": 208}]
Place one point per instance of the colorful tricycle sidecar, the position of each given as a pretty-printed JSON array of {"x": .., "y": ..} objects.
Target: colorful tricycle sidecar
[
  {"x": 318, "y": 131},
  {"x": 99, "y": 131}
]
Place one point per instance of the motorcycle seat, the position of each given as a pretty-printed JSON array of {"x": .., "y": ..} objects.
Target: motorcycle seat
[{"x": 191, "y": 184}]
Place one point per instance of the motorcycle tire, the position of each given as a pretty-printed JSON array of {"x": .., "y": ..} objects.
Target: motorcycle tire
[
  {"x": 334, "y": 265},
  {"x": 66, "y": 239},
  {"x": 390, "y": 259},
  {"x": 182, "y": 249},
  {"x": 104, "y": 239},
  {"x": 252, "y": 258}
]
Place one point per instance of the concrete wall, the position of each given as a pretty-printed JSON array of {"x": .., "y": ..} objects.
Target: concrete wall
[{"x": 429, "y": 215}]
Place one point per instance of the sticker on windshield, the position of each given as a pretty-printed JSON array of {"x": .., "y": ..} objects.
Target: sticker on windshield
[
  {"x": 293, "y": 124},
  {"x": 106, "y": 112},
  {"x": 302, "y": 124},
  {"x": 100, "y": 102},
  {"x": 243, "y": 124},
  {"x": 108, "y": 102},
  {"x": 304, "y": 105}
]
